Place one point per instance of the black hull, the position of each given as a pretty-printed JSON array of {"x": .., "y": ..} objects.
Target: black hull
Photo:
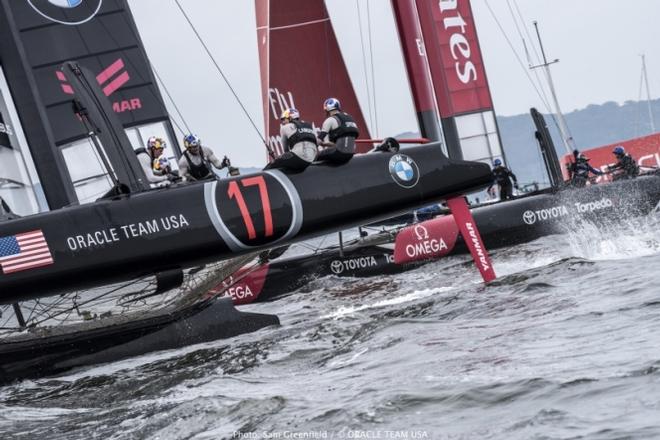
[
  {"x": 271, "y": 280},
  {"x": 528, "y": 218},
  {"x": 500, "y": 224},
  {"x": 178, "y": 227},
  {"x": 41, "y": 355}
]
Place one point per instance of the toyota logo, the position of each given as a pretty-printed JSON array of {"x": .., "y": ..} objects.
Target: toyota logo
[
  {"x": 337, "y": 267},
  {"x": 529, "y": 217}
]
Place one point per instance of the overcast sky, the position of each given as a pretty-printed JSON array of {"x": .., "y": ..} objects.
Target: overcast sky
[{"x": 598, "y": 42}]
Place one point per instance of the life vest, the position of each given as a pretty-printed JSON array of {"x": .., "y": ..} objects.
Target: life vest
[
  {"x": 200, "y": 171},
  {"x": 304, "y": 133},
  {"x": 629, "y": 165},
  {"x": 581, "y": 169},
  {"x": 347, "y": 127},
  {"x": 501, "y": 175}
]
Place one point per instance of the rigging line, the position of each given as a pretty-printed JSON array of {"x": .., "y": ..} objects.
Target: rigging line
[
  {"x": 167, "y": 92},
  {"x": 522, "y": 37},
  {"x": 373, "y": 75},
  {"x": 217, "y": 66},
  {"x": 83, "y": 303},
  {"x": 522, "y": 66},
  {"x": 520, "y": 63},
  {"x": 178, "y": 127},
  {"x": 364, "y": 64}
]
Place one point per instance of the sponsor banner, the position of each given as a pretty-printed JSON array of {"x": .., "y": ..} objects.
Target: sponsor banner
[
  {"x": 645, "y": 150},
  {"x": 100, "y": 35},
  {"x": 349, "y": 266},
  {"x": 531, "y": 217},
  {"x": 244, "y": 285},
  {"x": 454, "y": 56},
  {"x": 470, "y": 233},
  {"x": 430, "y": 239},
  {"x": 301, "y": 27}
]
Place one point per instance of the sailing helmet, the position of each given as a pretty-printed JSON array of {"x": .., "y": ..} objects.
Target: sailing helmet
[
  {"x": 619, "y": 150},
  {"x": 191, "y": 140},
  {"x": 290, "y": 113},
  {"x": 331, "y": 104},
  {"x": 497, "y": 162},
  {"x": 582, "y": 156},
  {"x": 155, "y": 142}
]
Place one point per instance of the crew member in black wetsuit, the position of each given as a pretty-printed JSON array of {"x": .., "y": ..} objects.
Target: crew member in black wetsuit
[
  {"x": 298, "y": 142},
  {"x": 625, "y": 167},
  {"x": 337, "y": 134},
  {"x": 196, "y": 161},
  {"x": 580, "y": 170},
  {"x": 503, "y": 176}
]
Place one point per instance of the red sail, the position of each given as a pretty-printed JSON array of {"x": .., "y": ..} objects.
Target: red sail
[{"x": 301, "y": 65}]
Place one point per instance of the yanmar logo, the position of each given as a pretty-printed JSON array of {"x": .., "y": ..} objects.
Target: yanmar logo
[
  {"x": 481, "y": 255},
  {"x": 110, "y": 79}
]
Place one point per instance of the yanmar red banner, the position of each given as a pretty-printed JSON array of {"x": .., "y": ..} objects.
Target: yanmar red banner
[
  {"x": 454, "y": 56},
  {"x": 301, "y": 65},
  {"x": 645, "y": 150}
]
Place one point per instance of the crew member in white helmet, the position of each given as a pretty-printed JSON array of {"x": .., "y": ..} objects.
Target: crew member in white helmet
[{"x": 196, "y": 161}]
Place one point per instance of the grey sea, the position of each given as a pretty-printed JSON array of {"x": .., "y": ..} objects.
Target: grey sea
[{"x": 564, "y": 345}]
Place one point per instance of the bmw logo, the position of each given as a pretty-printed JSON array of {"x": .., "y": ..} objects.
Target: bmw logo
[
  {"x": 66, "y": 3},
  {"x": 404, "y": 170},
  {"x": 69, "y": 12}
]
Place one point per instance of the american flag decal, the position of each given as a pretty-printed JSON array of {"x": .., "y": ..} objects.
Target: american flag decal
[{"x": 24, "y": 251}]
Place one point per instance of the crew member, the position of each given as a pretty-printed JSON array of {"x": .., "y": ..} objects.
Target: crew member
[
  {"x": 196, "y": 161},
  {"x": 338, "y": 134},
  {"x": 502, "y": 178},
  {"x": 154, "y": 164},
  {"x": 580, "y": 170},
  {"x": 298, "y": 141},
  {"x": 625, "y": 167}
]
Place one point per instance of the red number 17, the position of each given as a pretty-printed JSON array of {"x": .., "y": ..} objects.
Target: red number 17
[{"x": 235, "y": 192}]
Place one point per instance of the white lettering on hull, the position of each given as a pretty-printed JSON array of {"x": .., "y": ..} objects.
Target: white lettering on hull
[{"x": 126, "y": 232}]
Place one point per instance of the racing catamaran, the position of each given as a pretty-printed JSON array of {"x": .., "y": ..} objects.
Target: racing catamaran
[
  {"x": 451, "y": 97},
  {"x": 133, "y": 231}
]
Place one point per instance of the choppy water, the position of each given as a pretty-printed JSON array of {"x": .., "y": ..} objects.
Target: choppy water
[{"x": 566, "y": 344}]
